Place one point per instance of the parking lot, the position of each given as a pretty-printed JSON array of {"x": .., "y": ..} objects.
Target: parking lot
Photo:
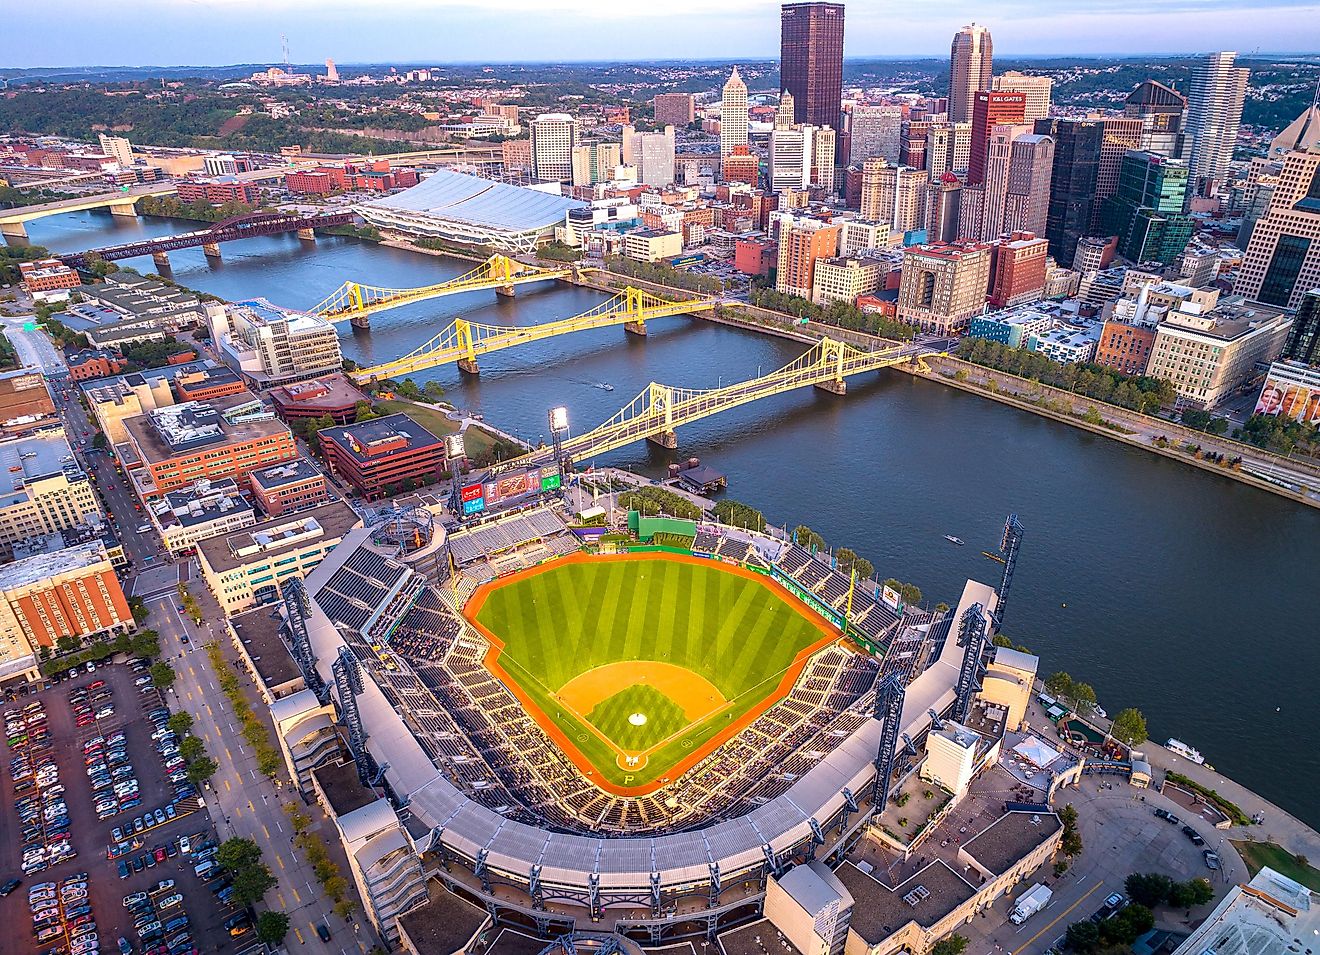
[{"x": 162, "y": 850}]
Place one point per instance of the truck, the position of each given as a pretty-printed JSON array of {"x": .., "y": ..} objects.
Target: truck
[{"x": 1030, "y": 902}]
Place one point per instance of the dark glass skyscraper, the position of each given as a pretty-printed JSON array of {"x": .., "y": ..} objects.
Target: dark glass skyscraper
[
  {"x": 811, "y": 60},
  {"x": 1077, "y": 145},
  {"x": 1303, "y": 342}
]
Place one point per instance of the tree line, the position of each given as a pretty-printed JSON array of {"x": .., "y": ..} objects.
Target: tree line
[{"x": 838, "y": 314}]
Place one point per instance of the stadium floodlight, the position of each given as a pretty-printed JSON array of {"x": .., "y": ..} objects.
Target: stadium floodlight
[
  {"x": 454, "y": 447},
  {"x": 558, "y": 420}
]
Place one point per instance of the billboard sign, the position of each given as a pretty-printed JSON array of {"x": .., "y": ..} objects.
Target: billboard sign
[
  {"x": 475, "y": 506},
  {"x": 1291, "y": 393},
  {"x": 892, "y": 599},
  {"x": 551, "y": 481},
  {"x": 471, "y": 493}
]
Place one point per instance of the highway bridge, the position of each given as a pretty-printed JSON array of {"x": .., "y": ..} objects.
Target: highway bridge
[
  {"x": 122, "y": 202},
  {"x": 463, "y": 341},
  {"x": 657, "y": 413},
  {"x": 239, "y": 227},
  {"x": 356, "y": 303}
]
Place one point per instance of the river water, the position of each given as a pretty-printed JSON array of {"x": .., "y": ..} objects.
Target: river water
[{"x": 1171, "y": 589}]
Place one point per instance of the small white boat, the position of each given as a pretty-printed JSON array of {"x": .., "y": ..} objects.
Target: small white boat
[
  {"x": 604, "y": 386},
  {"x": 953, "y": 540},
  {"x": 1182, "y": 749}
]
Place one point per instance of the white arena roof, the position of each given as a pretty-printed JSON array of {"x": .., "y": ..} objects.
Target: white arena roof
[{"x": 465, "y": 208}]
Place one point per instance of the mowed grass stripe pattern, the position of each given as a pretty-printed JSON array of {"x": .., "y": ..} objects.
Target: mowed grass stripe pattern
[
  {"x": 663, "y": 717},
  {"x": 572, "y": 618}
]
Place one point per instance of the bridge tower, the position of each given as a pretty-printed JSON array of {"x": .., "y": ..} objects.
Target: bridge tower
[
  {"x": 307, "y": 235},
  {"x": 633, "y": 304},
  {"x": 661, "y": 399},
  {"x": 832, "y": 353},
  {"x": 127, "y": 208},
  {"x": 161, "y": 260},
  {"x": 502, "y": 267},
  {"x": 357, "y": 302},
  {"x": 212, "y": 251},
  {"x": 463, "y": 332}
]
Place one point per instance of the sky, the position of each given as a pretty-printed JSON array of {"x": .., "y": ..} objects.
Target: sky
[{"x": 218, "y": 32}]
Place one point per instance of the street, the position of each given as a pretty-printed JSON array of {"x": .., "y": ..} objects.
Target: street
[{"x": 34, "y": 348}]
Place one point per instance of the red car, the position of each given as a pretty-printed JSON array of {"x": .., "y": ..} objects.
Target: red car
[{"x": 160, "y": 854}]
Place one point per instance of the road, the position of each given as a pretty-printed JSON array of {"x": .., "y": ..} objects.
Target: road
[
  {"x": 33, "y": 347},
  {"x": 242, "y": 801}
]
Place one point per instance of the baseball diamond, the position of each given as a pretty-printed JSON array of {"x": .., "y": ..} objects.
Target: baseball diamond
[{"x": 639, "y": 665}]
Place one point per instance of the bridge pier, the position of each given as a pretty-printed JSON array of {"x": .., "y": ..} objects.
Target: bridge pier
[
  {"x": 664, "y": 439},
  {"x": 14, "y": 230},
  {"x": 505, "y": 291},
  {"x": 128, "y": 209},
  {"x": 839, "y": 387},
  {"x": 468, "y": 366},
  {"x": 635, "y": 328},
  {"x": 211, "y": 250},
  {"x": 307, "y": 235},
  {"x": 162, "y": 259}
]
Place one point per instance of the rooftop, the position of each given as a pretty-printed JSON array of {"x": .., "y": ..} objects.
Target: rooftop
[
  {"x": 343, "y": 788},
  {"x": 34, "y": 458},
  {"x": 1016, "y": 659},
  {"x": 1010, "y": 837},
  {"x": 367, "y": 440},
  {"x": 289, "y": 472},
  {"x": 329, "y": 392},
  {"x": 460, "y": 197},
  {"x": 177, "y": 429},
  {"x": 275, "y": 535},
  {"x": 201, "y": 503},
  {"x": 35, "y": 569},
  {"x": 259, "y": 630},
  {"x": 928, "y": 896},
  {"x": 443, "y": 925},
  {"x": 204, "y": 378},
  {"x": 756, "y": 938},
  {"x": 259, "y": 311}
]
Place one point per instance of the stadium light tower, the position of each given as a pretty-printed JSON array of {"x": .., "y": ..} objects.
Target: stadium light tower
[
  {"x": 455, "y": 451},
  {"x": 558, "y": 418}
]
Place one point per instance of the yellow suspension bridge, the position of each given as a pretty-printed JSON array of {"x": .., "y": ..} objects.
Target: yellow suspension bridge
[
  {"x": 660, "y": 409},
  {"x": 463, "y": 341},
  {"x": 356, "y": 303}
]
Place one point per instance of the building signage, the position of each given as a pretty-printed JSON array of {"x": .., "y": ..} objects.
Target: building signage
[{"x": 472, "y": 493}]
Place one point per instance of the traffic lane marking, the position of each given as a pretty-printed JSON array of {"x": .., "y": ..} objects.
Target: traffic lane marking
[{"x": 1062, "y": 915}]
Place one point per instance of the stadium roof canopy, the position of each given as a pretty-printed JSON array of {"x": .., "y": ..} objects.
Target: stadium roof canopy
[{"x": 463, "y": 208}]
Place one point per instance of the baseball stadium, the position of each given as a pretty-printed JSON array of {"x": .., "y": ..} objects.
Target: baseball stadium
[{"x": 628, "y": 735}]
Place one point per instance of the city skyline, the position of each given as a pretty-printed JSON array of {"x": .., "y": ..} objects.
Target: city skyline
[{"x": 224, "y": 32}]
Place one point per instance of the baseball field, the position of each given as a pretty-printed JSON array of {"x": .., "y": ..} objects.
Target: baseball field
[{"x": 639, "y": 665}]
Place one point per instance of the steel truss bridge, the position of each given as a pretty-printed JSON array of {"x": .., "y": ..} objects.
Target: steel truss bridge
[
  {"x": 239, "y": 227},
  {"x": 660, "y": 409},
  {"x": 357, "y": 303},
  {"x": 463, "y": 341}
]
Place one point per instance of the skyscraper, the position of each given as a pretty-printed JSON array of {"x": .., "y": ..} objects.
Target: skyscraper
[
  {"x": 970, "y": 70},
  {"x": 892, "y": 194},
  {"x": 1035, "y": 88},
  {"x": 673, "y": 109},
  {"x": 1119, "y": 136},
  {"x": 553, "y": 137},
  {"x": 1282, "y": 260},
  {"x": 1026, "y": 208},
  {"x": 811, "y": 60},
  {"x": 1072, "y": 182},
  {"x": 991, "y": 108},
  {"x": 1162, "y": 111},
  {"x": 876, "y": 132},
  {"x": 1214, "y": 113},
  {"x": 1303, "y": 343},
  {"x": 733, "y": 114},
  {"x": 1146, "y": 213}
]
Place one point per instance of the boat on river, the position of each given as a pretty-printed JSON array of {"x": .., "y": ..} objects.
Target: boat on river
[
  {"x": 953, "y": 540},
  {"x": 1185, "y": 751}
]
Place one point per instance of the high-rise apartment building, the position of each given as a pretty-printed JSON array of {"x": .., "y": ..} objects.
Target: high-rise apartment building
[
  {"x": 824, "y": 148},
  {"x": 802, "y": 242},
  {"x": 1036, "y": 89},
  {"x": 1146, "y": 213},
  {"x": 652, "y": 154},
  {"x": 990, "y": 109},
  {"x": 595, "y": 162},
  {"x": 1072, "y": 183},
  {"x": 811, "y": 60},
  {"x": 1163, "y": 113},
  {"x": 970, "y": 69},
  {"x": 1282, "y": 260},
  {"x": 943, "y": 286},
  {"x": 790, "y": 158},
  {"x": 553, "y": 137},
  {"x": 892, "y": 194},
  {"x": 1214, "y": 113},
  {"x": 948, "y": 149},
  {"x": 733, "y": 114},
  {"x": 674, "y": 109},
  {"x": 1017, "y": 269},
  {"x": 117, "y": 148},
  {"x": 876, "y": 133}
]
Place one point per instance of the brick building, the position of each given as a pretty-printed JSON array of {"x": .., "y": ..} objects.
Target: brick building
[
  {"x": 1125, "y": 347},
  {"x": 207, "y": 384},
  {"x": 292, "y": 486},
  {"x": 95, "y": 363},
  {"x": 218, "y": 191},
  {"x": 48, "y": 279},
  {"x": 24, "y": 400},
  {"x": 332, "y": 395},
  {"x": 71, "y": 593},
  {"x": 377, "y": 456},
  {"x": 1017, "y": 269}
]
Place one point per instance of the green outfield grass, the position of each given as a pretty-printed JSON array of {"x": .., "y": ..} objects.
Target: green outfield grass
[
  {"x": 664, "y": 717},
  {"x": 573, "y": 617}
]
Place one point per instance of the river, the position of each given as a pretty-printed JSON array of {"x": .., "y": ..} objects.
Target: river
[{"x": 1166, "y": 587}]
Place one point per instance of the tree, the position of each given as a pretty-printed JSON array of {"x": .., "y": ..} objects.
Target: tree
[
  {"x": 1059, "y": 684},
  {"x": 344, "y": 908},
  {"x": 1083, "y": 936},
  {"x": 252, "y": 883},
  {"x": 180, "y": 723},
  {"x": 145, "y": 643},
  {"x": 950, "y": 945},
  {"x": 201, "y": 769},
  {"x": 162, "y": 675},
  {"x": 237, "y": 853},
  {"x": 191, "y": 747},
  {"x": 67, "y": 643},
  {"x": 335, "y": 887},
  {"x": 1128, "y": 925},
  {"x": 1130, "y": 727},
  {"x": 804, "y": 536},
  {"x": 433, "y": 391},
  {"x": 272, "y": 927},
  {"x": 1083, "y": 696},
  {"x": 1149, "y": 889},
  {"x": 910, "y": 593},
  {"x": 362, "y": 411}
]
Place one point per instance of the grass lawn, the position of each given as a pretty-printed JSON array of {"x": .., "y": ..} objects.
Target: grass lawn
[
  {"x": 573, "y": 617},
  {"x": 613, "y": 717},
  {"x": 476, "y": 440},
  {"x": 1259, "y": 854}
]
